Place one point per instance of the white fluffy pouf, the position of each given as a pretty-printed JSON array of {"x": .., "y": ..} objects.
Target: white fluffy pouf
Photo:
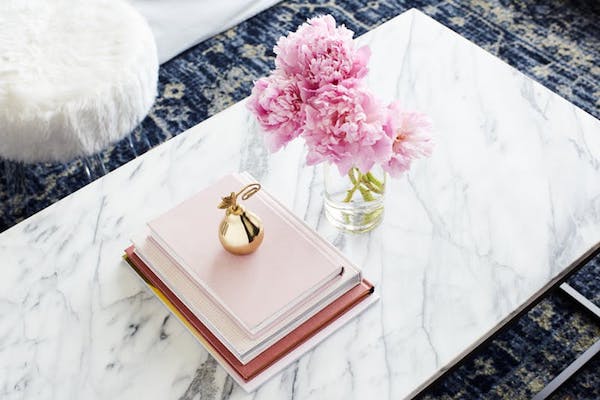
[{"x": 75, "y": 76}]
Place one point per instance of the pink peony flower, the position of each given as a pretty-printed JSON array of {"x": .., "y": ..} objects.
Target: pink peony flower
[
  {"x": 344, "y": 125},
  {"x": 319, "y": 53},
  {"x": 276, "y": 102},
  {"x": 409, "y": 131},
  {"x": 317, "y": 92}
]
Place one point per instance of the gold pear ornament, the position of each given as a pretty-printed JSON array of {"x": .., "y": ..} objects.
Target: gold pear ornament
[{"x": 241, "y": 231}]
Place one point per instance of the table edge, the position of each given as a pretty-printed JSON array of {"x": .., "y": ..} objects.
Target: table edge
[{"x": 531, "y": 302}]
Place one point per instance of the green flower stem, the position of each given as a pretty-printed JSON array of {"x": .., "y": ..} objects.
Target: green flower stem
[
  {"x": 375, "y": 181},
  {"x": 370, "y": 185},
  {"x": 366, "y": 184},
  {"x": 355, "y": 181},
  {"x": 349, "y": 194},
  {"x": 366, "y": 193},
  {"x": 351, "y": 173}
]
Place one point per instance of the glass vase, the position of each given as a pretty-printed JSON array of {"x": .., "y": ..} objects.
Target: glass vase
[{"x": 354, "y": 201}]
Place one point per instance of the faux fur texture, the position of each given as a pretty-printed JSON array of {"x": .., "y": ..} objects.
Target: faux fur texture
[{"x": 75, "y": 76}]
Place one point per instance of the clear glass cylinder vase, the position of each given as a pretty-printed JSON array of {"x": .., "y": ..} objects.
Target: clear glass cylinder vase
[{"x": 354, "y": 201}]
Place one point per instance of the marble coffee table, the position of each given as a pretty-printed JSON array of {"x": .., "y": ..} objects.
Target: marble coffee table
[{"x": 509, "y": 200}]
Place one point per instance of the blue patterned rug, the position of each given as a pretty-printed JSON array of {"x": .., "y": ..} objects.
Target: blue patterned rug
[{"x": 557, "y": 42}]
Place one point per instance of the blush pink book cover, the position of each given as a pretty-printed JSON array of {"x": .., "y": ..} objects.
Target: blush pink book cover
[
  {"x": 278, "y": 350},
  {"x": 254, "y": 289}
]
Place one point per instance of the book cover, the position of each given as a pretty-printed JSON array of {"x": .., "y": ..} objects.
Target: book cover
[
  {"x": 226, "y": 330},
  {"x": 257, "y": 289},
  {"x": 276, "y": 352}
]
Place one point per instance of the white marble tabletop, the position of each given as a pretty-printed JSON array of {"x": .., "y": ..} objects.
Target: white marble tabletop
[{"x": 510, "y": 197}]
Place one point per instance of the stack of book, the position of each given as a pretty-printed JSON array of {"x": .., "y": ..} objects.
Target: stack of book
[{"x": 255, "y": 313}]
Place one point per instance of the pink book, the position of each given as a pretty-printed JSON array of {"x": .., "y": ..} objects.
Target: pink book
[
  {"x": 257, "y": 289},
  {"x": 279, "y": 349}
]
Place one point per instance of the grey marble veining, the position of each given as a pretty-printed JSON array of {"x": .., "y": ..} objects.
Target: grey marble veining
[{"x": 510, "y": 197}]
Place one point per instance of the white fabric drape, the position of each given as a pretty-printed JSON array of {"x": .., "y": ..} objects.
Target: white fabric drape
[{"x": 180, "y": 24}]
